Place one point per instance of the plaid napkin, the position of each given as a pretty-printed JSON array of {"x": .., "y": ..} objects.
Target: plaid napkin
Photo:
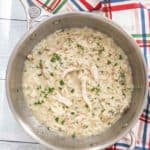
[{"x": 134, "y": 17}]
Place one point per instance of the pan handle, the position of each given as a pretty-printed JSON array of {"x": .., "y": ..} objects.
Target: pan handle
[
  {"x": 34, "y": 13},
  {"x": 133, "y": 140}
]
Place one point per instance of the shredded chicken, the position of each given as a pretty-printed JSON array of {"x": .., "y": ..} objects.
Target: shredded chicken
[
  {"x": 83, "y": 81},
  {"x": 69, "y": 70},
  {"x": 57, "y": 110},
  {"x": 80, "y": 117},
  {"x": 42, "y": 70},
  {"x": 64, "y": 91},
  {"x": 30, "y": 57},
  {"x": 94, "y": 72},
  {"x": 33, "y": 94},
  {"x": 63, "y": 100}
]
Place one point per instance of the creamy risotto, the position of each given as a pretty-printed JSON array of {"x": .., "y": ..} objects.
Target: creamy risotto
[{"x": 77, "y": 82}]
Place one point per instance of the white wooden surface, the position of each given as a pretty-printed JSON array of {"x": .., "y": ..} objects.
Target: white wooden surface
[{"x": 12, "y": 28}]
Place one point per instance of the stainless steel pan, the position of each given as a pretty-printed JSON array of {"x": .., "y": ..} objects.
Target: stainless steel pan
[{"x": 24, "y": 115}]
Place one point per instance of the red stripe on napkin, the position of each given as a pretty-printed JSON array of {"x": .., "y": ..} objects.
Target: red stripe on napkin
[
  {"x": 122, "y": 7},
  {"x": 87, "y": 5}
]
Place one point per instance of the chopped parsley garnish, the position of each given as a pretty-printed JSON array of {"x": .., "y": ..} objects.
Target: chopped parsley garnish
[
  {"x": 39, "y": 74},
  {"x": 109, "y": 123},
  {"x": 39, "y": 87},
  {"x": 60, "y": 88},
  {"x": 72, "y": 113},
  {"x": 111, "y": 112},
  {"x": 115, "y": 64},
  {"x": 85, "y": 126},
  {"x": 108, "y": 62},
  {"x": 39, "y": 102},
  {"x": 96, "y": 89},
  {"x": 80, "y": 46},
  {"x": 47, "y": 91},
  {"x": 55, "y": 57},
  {"x": 50, "y": 90},
  {"x": 51, "y": 74},
  {"x": 39, "y": 52},
  {"x": 121, "y": 78},
  {"x": 56, "y": 119},
  {"x": 45, "y": 95},
  {"x": 61, "y": 82},
  {"x": 120, "y": 57},
  {"x": 40, "y": 63},
  {"x": 93, "y": 114},
  {"x": 69, "y": 40},
  {"x": 97, "y": 43},
  {"x": 72, "y": 91},
  {"x": 123, "y": 93},
  {"x": 100, "y": 50},
  {"x": 86, "y": 106},
  {"x": 62, "y": 122},
  {"x": 73, "y": 135},
  {"x": 103, "y": 110},
  {"x": 46, "y": 49}
]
